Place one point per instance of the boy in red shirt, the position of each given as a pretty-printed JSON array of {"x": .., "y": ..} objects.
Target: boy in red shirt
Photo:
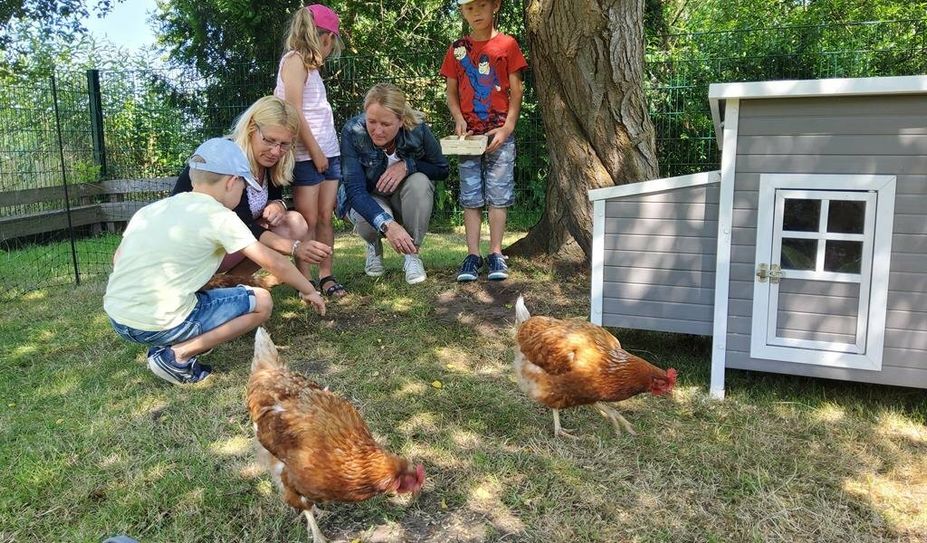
[{"x": 484, "y": 91}]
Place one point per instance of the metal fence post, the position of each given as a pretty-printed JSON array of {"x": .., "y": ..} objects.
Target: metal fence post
[
  {"x": 64, "y": 180},
  {"x": 96, "y": 120}
]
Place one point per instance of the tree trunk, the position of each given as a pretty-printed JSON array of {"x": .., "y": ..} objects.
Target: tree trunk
[{"x": 587, "y": 61}]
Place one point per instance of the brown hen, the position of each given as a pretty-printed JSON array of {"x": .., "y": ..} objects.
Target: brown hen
[
  {"x": 316, "y": 445},
  {"x": 562, "y": 364}
]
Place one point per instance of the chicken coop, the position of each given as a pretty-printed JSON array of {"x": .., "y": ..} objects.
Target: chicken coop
[{"x": 805, "y": 254}]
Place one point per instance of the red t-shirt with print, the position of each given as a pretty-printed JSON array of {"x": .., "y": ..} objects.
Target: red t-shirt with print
[{"x": 482, "y": 70}]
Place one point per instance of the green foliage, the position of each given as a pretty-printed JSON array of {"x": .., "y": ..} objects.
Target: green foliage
[
  {"x": 755, "y": 40},
  {"x": 25, "y": 22}
]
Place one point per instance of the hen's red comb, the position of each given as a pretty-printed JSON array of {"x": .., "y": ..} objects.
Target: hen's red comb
[{"x": 671, "y": 376}]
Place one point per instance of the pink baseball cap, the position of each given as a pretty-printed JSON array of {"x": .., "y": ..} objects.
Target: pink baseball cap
[{"x": 324, "y": 18}]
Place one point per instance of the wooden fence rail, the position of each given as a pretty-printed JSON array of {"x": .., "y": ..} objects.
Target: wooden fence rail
[{"x": 111, "y": 205}]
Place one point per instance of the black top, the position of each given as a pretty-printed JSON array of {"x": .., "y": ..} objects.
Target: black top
[{"x": 243, "y": 210}]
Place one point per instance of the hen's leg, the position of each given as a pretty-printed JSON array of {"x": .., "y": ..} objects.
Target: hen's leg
[
  {"x": 318, "y": 512},
  {"x": 317, "y": 536},
  {"x": 558, "y": 430},
  {"x": 613, "y": 415}
]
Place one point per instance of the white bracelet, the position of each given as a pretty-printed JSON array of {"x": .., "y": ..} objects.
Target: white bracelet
[{"x": 295, "y": 246}]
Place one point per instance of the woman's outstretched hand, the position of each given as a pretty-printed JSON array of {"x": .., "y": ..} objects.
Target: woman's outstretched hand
[
  {"x": 400, "y": 240},
  {"x": 313, "y": 251}
]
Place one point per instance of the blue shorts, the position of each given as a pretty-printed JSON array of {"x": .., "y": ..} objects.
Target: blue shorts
[
  {"x": 489, "y": 179},
  {"x": 213, "y": 309},
  {"x": 305, "y": 174}
]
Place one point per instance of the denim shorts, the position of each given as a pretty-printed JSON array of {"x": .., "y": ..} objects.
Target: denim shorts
[
  {"x": 489, "y": 179},
  {"x": 305, "y": 174},
  {"x": 213, "y": 309}
]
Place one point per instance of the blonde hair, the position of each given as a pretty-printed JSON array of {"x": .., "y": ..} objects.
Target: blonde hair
[
  {"x": 268, "y": 111},
  {"x": 202, "y": 177},
  {"x": 305, "y": 38},
  {"x": 392, "y": 98}
]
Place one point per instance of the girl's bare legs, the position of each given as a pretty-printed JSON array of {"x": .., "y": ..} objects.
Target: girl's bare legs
[
  {"x": 307, "y": 203},
  {"x": 324, "y": 232}
]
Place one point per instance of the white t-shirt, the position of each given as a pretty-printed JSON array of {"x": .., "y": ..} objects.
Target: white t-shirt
[
  {"x": 169, "y": 250},
  {"x": 391, "y": 158}
]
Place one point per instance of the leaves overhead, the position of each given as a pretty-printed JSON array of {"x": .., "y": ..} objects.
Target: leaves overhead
[{"x": 20, "y": 20}]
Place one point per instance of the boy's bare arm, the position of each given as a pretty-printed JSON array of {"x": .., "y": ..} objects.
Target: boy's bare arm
[
  {"x": 516, "y": 91},
  {"x": 453, "y": 104},
  {"x": 284, "y": 270}
]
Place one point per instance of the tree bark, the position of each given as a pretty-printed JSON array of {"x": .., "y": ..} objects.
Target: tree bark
[{"x": 587, "y": 61}]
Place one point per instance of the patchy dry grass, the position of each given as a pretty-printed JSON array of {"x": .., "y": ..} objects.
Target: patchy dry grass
[{"x": 94, "y": 445}]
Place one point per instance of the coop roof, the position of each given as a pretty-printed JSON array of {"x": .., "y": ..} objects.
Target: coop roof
[{"x": 719, "y": 93}]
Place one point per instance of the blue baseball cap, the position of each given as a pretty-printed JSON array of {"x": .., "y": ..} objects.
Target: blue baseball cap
[{"x": 224, "y": 157}]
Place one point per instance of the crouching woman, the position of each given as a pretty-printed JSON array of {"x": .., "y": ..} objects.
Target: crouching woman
[{"x": 390, "y": 161}]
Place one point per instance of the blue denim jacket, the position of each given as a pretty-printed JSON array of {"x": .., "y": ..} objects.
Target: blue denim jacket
[{"x": 362, "y": 164}]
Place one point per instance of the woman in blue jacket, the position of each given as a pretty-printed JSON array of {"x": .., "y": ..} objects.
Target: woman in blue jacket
[{"x": 389, "y": 162}]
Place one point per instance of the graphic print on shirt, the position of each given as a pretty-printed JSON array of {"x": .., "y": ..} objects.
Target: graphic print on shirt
[{"x": 482, "y": 78}]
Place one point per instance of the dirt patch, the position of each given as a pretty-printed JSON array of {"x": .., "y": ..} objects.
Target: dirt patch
[{"x": 488, "y": 306}]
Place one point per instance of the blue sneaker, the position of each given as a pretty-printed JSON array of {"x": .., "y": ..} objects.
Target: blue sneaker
[
  {"x": 498, "y": 269},
  {"x": 470, "y": 269},
  {"x": 161, "y": 362}
]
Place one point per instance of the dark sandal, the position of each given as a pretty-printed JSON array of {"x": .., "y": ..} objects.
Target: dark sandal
[{"x": 336, "y": 290}]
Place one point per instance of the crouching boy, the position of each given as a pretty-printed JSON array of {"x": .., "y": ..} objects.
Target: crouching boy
[{"x": 171, "y": 248}]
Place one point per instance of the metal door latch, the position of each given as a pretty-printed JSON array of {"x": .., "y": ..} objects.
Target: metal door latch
[{"x": 765, "y": 271}]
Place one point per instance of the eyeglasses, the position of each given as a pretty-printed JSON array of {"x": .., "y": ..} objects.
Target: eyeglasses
[{"x": 283, "y": 146}]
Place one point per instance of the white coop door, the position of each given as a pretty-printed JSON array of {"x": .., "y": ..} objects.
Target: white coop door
[{"x": 821, "y": 271}]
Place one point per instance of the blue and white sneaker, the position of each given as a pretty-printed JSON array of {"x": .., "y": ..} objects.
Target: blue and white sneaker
[
  {"x": 161, "y": 362},
  {"x": 498, "y": 269},
  {"x": 470, "y": 269}
]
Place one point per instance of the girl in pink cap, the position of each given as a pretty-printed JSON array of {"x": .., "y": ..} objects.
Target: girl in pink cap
[{"x": 312, "y": 38}]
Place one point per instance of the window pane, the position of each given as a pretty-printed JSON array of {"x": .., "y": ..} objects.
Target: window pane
[
  {"x": 799, "y": 254},
  {"x": 843, "y": 256},
  {"x": 801, "y": 215},
  {"x": 846, "y": 216}
]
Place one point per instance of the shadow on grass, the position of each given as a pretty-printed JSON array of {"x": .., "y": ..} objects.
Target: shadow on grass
[{"x": 94, "y": 445}]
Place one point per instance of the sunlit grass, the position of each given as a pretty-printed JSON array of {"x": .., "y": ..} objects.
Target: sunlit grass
[{"x": 94, "y": 445}]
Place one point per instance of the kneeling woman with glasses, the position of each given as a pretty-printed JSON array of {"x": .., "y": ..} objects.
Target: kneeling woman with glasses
[{"x": 265, "y": 132}]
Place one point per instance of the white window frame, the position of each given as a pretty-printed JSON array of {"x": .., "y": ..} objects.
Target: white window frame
[{"x": 867, "y": 352}]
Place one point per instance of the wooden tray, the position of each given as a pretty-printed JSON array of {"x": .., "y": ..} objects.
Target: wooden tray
[{"x": 471, "y": 145}]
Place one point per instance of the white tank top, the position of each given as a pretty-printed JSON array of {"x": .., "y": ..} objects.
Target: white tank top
[{"x": 317, "y": 110}]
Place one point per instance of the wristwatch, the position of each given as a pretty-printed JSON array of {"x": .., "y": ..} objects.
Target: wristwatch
[{"x": 384, "y": 227}]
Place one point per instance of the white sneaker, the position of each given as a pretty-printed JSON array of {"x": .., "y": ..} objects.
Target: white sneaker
[
  {"x": 373, "y": 267},
  {"x": 415, "y": 270}
]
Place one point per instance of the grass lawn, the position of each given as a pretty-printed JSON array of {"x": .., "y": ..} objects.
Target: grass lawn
[{"x": 94, "y": 445}]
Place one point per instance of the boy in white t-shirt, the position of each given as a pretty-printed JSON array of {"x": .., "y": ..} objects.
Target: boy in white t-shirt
[{"x": 171, "y": 248}]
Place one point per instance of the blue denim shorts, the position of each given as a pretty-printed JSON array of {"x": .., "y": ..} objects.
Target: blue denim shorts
[
  {"x": 305, "y": 174},
  {"x": 489, "y": 179},
  {"x": 213, "y": 309}
]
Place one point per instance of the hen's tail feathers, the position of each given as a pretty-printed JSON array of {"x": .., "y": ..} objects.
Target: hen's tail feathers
[
  {"x": 521, "y": 312},
  {"x": 265, "y": 352}
]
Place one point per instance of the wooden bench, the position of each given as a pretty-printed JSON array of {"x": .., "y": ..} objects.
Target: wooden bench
[{"x": 102, "y": 205}]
